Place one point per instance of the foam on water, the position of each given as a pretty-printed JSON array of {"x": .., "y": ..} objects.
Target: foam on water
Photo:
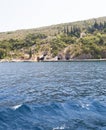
[
  {"x": 60, "y": 127},
  {"x": 16, "y": 107}
]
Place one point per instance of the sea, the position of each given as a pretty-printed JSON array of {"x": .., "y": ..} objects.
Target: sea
[{"x": 53, "y": 95}]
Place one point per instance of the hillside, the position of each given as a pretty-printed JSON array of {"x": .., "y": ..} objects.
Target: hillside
[{"x": 76, "y": 40}]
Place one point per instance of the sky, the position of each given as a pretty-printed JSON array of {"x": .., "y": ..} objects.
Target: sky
[{"x": 25, "y": 14}]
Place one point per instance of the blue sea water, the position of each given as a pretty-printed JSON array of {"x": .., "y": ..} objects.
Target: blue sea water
[{"x": 53, "y": 96}]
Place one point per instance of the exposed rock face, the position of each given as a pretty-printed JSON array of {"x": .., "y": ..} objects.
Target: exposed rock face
[
  {"x": 82, "y": 34},
  {"x": 84, "y": 56},
  {"x": 60, "y": 57},
  {"x": 103, "y": 54},
  {"x": 67, "y": 56},
  {"x": 41, "y": 58}
]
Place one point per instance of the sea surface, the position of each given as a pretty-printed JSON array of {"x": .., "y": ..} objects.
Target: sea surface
[{"x": 53, "y": 96}]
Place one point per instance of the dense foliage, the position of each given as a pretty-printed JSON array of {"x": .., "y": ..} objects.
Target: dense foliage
[{"x": 83, "y": 39}]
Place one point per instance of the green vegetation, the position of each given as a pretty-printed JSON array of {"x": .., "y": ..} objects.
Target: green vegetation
[{"x": 82, "y": 39}]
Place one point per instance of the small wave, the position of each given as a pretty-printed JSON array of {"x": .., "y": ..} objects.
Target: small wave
[
  {"x": 63, "y": 127},
  {"x": 16, "y": 106},
  {"x": 70, "y": 115},
  {"x": 85, "y": 105}
]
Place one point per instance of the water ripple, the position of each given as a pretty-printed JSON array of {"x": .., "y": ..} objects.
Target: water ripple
[{"x": 53, "y": 95}]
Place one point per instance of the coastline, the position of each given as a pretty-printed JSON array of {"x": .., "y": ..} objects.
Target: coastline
[
  {"x": 16, "y": 60},
  {"x": 71, "y": 60},
  {"x": 76, "y": 60}
]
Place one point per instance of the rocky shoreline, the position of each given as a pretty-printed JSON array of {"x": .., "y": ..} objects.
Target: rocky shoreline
[{"x": 51, "y": 60}]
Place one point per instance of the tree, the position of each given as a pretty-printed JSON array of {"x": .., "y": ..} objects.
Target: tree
[
  {"x": 30, "y": 53},
  {"x": 96, "y": 25},
  {"x": 64, "y": 30},
  {"x": 67, "y": 30},
  {"x": 2, "y": 53}
]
